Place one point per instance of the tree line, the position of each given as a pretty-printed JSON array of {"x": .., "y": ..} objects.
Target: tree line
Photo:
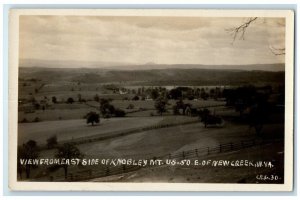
[{"x": 30, "y": 150}]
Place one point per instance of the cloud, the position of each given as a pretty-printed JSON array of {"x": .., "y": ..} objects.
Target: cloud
[{"x": 165, "y": 40}]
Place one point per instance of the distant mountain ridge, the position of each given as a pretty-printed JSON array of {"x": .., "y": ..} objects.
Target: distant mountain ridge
[
  {"x": 153, "y": 76},
  {"x": 147, "y": 66}
]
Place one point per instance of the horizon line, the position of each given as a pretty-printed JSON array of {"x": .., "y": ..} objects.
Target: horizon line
[{"x": 127, "y": 69}]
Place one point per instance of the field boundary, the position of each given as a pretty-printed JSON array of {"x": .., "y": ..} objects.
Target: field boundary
[
  {"x": 83, "y": 140},
  {"x": 84, "y": 175}
]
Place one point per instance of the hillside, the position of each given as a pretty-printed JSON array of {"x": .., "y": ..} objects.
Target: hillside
[
  {"x": 147, "y": 66},
  {"x": 153, "y": 77}
]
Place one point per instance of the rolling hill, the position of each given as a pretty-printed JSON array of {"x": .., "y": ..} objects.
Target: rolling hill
[{"x": 191, "y": 76}]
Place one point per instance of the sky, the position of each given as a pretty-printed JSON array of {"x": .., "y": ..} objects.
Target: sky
[{"x": 140, "y": 40}]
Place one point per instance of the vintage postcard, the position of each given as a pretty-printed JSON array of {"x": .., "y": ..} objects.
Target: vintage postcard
[{"x": 151, "y": 100}]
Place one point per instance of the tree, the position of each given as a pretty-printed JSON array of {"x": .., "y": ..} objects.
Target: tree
[
  {"x": 240, "y": 30},
  {"x": 241, "y": 98},
  {"x": 32, "y": 99},
  {"x": 54, "y": 100},
  {"x": 244, "y": 97},
  {"x": 96, "y": 98},
  {"x": 20, "y": 155},
  {"x": 209, "y": 119},
  {"x": 212, "y": 93},
  {"x": 218, "y": 93},
  {"x": 24, "y": 120},
  {"x": 51, "y": 141},
  {"x": 36, "y": 105},
  {"x": 258, "y": 114},
  {"x": 70, "y": 100},
  {"x": 191, "y": 97},
  {"x": 79, "y": 97},
  {"x": 248, "y": 99},
  {"x": 179, "y": 105},
  {"x": 175, "y": 93},
  {"x": 143, "y": 98},
  {"x": 28, "y": 150},
  {"x": 36, "y": 119},
  {"x": 135, "y": 98},
  {"x": 92, "y": 117},
  {"x": 106, "y": 108},
  {"x": 160, "y": 105},
  {"x": 175, "y": 110},
  {"x": 68, "y": 151},
  {"x": 154, "y": 94}
]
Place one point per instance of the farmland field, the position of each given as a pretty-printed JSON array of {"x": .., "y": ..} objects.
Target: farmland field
[
  {"x": 206, "y": 174},
  {"x": 66, "y": 130},
  {"x": 136, "y": 119},
  {"x": 173, "y": 140}
]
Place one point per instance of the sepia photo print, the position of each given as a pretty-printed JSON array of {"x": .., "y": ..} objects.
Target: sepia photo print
[{"x": 151, "y": 100}]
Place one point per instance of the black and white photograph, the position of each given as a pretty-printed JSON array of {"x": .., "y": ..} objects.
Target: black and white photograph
[{"x": 162, "y": 97}]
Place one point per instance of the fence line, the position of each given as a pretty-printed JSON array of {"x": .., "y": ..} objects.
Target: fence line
[
  {"x": 92, "y": 106},
  {"x": 104, "y": 171}
]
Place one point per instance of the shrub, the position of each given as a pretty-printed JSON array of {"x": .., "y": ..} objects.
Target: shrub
[
  {"x": 130, "y": 106},
  {"x": 106, "y": 108},
  {"x": 70, "y": 100},
  {"x": 160, "y": 105},
  {"x": 24, "y": 120},
  {"x": 106, "y": 116},
  {"x": 92, "y": 117},
  {"x": 36, "y": 119},
  {"x": 37, "y": 105},
  {"x": 119, "y": 113},
  {"x": 191, "y": 97},
  {"x": 51, "y": 142},
  {"x": 54, "y": 99},
  {"x": 135, "y": 98},
  {"x": 96, "y": 98}
]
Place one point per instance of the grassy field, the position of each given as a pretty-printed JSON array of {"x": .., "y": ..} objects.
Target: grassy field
[
  {"x": 208, "y": 174},
  {"x": 73, "y": 129},
  {"x": 142, "y": 133},
  {"x": 67, "y": 123},
  {"x": 172, "y": 140},
  {"x": 64, "y": 111},
  {"x": 153, "y": 143}
]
